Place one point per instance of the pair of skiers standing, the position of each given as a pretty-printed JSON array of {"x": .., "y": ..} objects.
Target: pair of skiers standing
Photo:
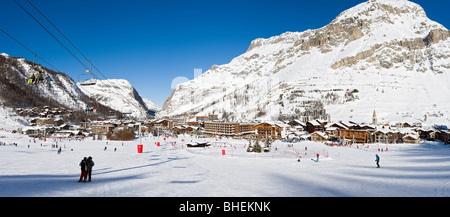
[{"x": 86, "y": 169}]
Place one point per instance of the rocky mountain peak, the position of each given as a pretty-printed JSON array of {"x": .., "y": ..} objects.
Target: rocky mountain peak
[
  {"x": 376, "y": 8},
  {"x": 388, "y": 42}
]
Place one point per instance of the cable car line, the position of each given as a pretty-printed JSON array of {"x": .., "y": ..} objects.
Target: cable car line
[
  {"x": 89, "y": 69},
  {"x": 45, "y": 61},
  {"x": 73, "y": 55},
  {"x": 57, "y": 30}
]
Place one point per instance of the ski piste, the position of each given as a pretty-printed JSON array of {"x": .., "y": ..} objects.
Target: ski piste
[{"x": 173, "y": 169}]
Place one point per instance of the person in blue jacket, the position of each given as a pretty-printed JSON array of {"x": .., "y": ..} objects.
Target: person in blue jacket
[{"x": 377, "y": 159}]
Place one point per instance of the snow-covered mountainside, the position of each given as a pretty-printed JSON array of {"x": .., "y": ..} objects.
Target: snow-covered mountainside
[
  {"x": 151, "y": 105},
  {"x": 118, "y": 94},
  {"x": 384, "y": 55},
  {"x": 56, "y": 89}
]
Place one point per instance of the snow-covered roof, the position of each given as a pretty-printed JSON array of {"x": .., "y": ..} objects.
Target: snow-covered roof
[
  {"x": 411, "y": 136},
  {"x": 314, "y": 123},
  {"x": 322, "y": 134}
]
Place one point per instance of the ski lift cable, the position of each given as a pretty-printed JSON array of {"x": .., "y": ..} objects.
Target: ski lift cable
[
  {"x": 89, "y": 72},
  {"x": 34, "y": 18},
  {"x": 54, "y": 37},
  {"x": 70, "y": 42},
  {"x": 92, "y": 65},
  {"x": 45, "y": 61},
  {"x": 60, "y": 32},
  {"x": 48, "y": 20}
]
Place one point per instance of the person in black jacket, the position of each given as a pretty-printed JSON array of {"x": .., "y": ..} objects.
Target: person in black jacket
[
  {"x": 83, "y": 170},
  {"x": 89, "y": 165}
]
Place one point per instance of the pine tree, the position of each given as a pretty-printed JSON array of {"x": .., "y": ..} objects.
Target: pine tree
[
  {"x": 249, "y": 148},
  {"x": 257, "y": 147}
]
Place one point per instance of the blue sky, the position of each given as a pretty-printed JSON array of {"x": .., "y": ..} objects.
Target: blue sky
[{"x": 149, "y": 43}]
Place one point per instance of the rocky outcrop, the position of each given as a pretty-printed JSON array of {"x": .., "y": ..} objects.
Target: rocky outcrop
[
  {"x": 398, "y": 51},
  {"x": 436, "y": 36}
]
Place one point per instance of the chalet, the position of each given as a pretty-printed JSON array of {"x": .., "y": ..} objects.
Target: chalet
[
  {"x": 190, "y": 129},
  {"x": 444, "y": 136},
  {"x": 319, "y": 136},
  {"x": 102, "y": 129},
  {"x": 403, "y": 125},
  {"x": 179, "y": 129},
  {"x": 269, "y": 129},
  {"x": 67, "y": 134},
  {"x": 357, "y": 136},
  {"x": 164, "y": 123},
  {"x": 298, "y": 125},
  {"x": 433, "y": 135},
  {"x": 411, "y": 138},
  {"x": 315, "y": 125},
  {"x": 332, "y": 132},
  {"x": 425, "y": 133},
  {"x": 33, "y": 131},
  {"x": 386, "y": 136},
  {"x": 333, "y": 129}
]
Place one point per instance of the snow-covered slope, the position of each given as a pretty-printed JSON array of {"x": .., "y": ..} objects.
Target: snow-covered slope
[
  {"x": 56, "y": 89},
  {"x": 35, "y": 170},
  {"x": 151, "y": 105},
  {"x": 384, "y": 55},
  {"x": 118, "y": 94}
]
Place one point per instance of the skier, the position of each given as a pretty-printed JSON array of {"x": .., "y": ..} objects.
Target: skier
[
  {"x": 377, "y": 159},
  {"x": 317, "y": 157},
  {"x": 83, "y": 170},
  {"x": 38, "y": 78},
  {"x": 59, "y": 150},
  {"x": 30, "y": 81},
  {"x": 89, "y": 165}
]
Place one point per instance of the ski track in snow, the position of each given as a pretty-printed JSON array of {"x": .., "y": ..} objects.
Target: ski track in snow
[{"x": 406, "y": 170}]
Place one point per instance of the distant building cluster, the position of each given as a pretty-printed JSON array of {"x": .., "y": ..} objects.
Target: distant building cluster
[
  {"x": 320, "y": 130},
  {"x": 49, "y": 123}
]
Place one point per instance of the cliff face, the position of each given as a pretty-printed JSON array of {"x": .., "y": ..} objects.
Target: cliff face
[{"x": 396, "y": 59}]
